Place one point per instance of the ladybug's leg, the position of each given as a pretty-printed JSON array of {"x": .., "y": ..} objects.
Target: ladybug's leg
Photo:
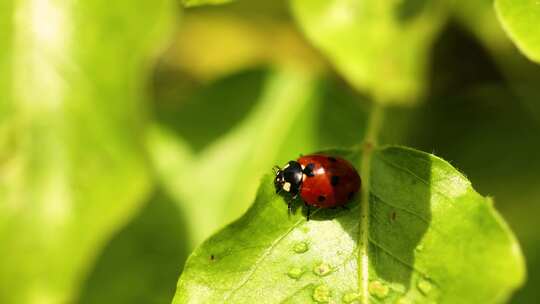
[
  {"x": 290, "y": 202},
  {"x": 289, "y": 205},
  {"x": 308, "y": 211}
]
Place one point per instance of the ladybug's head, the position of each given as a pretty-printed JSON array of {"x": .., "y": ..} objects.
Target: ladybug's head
[{"x": 289, "y": 179}]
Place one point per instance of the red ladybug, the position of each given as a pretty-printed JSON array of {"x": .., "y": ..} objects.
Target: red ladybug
[{"x": 321, "y": 180}]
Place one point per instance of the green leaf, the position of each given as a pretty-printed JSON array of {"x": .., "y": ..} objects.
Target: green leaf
[
  {"x": 189, "y": 3},
  {"x": 380, "y": 46},
  {"x": 520, "y": 20},
  {"x": 432, "y": 238},
  {"x": 72, "y": 163}
]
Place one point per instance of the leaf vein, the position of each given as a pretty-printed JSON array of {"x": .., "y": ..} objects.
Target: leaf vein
[
  {"x": 262, "y": 257},
  {"x": 394, "y": 256},
  {"x": 423, "y": 180},
  {"x": 296, "y": 292}
]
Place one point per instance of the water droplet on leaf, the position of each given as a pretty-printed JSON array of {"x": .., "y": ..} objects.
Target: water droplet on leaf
[
  {"x": 322, "y": 269},
  {"x": 322, "y": 294},
  {"x": 424, "y": 286},
  {"x": 295, "y": 273},
  {"x": 301, "y": 247},
  {"x": 420, "y": 247},
  {"x": 378, "y": 289}
]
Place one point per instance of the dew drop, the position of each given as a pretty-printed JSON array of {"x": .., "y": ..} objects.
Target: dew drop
[
  {"x": 351, "y": 297},
  {"x": 300, "y": 247},
  {"x": 304, "y": 229},
  {"x": 424, "y": 286},
  {"x": 295, "y": 273},
  {"x": 322, "y": 269},
  {"x": 322, "y": 294},
  {"x": 378, "y": 289},
  {"x": 420, "y": 247}
]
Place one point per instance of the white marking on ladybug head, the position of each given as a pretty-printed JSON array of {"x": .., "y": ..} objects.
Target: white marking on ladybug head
[{"x": 287, "y": 186}]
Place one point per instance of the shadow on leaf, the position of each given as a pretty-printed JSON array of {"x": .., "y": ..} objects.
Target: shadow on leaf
[{"x": 400, "y": 212}]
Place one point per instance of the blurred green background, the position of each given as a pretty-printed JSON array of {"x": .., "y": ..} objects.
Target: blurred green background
[{"x": 132, "y": 130}]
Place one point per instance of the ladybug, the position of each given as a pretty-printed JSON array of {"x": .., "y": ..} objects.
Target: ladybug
[{"x": 322, "y": 181}]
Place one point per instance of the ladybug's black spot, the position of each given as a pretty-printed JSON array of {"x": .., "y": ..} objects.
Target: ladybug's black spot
[
  {"x": 321, "y": 198},
  {"x": 332, "y": 159},
  {"x": 308, "y": 170},
  {"x": 350, "y": 195},
  {"x": 334, "y": 180}
]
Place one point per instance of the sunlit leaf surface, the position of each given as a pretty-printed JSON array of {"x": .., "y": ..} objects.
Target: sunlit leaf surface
[
  {"x": 521, "y": 19},
  {"x": 72, "y": 167},
  {"x": 380, "y": 46},
  {"x": 432, "y": 238}
]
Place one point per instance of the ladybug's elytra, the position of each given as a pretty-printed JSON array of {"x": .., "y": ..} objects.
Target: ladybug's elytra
[{"x": 322, "y": 181}]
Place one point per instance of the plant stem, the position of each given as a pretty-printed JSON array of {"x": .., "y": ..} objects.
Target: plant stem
[{"x": 369, "y": 144}]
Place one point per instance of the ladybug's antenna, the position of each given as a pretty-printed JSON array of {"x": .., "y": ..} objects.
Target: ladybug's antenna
[{"x": 276, "y": 169}]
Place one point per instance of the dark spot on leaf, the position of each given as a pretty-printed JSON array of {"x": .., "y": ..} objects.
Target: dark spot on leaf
[
  {"x": 332, "y": 159},
  {"x": 212, "y": 257},
  {"x": 321, "y": 198},
  {"x": 393, "y": 216},
  {"x": 334, "y": 180}
]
